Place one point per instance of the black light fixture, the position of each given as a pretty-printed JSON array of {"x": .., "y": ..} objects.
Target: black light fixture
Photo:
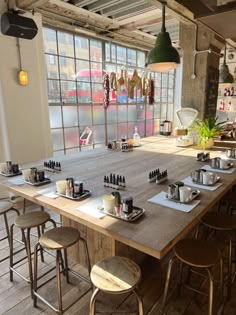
[
  {"x": 225, "y": 77},
  {"x": 163, "y": 57}
]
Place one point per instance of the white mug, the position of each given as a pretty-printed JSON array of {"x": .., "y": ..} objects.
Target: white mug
[
  {"x": 3, "y": 168},
  {"x": 108, "y": 203},
  {"x": 185, "y": 193},
  {"x": 26, "y": 174},
  {"x": 223, "y": 163},
  {"x": 208, "y": 178},
  {"x": 61, "y": 186}
]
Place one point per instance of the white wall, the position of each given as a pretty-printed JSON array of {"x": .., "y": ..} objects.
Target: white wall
[{"x": 24, "y": 116}]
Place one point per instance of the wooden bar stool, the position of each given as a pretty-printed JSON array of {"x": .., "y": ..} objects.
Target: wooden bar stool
[
  {"x": 26, "y": 222},
  {"x": 5, "y": 207},
  {"x": 115, "y": 275},
  {"x": 200, "y": 254},
  {"x": 59, "y": 239},
  {"x": 223, "y": 223}
]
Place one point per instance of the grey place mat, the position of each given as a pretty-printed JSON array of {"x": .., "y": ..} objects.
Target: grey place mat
[
  {"x": 188, "y": 182},
  {"x": 160, "y": 199},
  {"x": 210, "y": 169}
]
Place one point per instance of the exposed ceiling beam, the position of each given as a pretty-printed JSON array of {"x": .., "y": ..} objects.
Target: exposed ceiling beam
[
  {"x": 30, "y": 4},
  {"x": 144, "y": 23}
]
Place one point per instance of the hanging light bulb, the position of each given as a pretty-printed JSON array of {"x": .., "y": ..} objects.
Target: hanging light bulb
[
  {"x": 23, "y": 77},
  {"x": 163, "y": 57},
  {"x": 225, "y": 77}
]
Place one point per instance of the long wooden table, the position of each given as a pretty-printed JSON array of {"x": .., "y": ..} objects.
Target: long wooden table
[{"x": 156, "y": 232}]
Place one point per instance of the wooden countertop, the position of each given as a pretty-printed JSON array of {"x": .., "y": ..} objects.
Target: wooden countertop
[{"x": 159, "y": 228}]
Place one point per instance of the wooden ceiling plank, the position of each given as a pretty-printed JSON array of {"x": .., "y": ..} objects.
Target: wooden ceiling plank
[{"x": 30, "y": 4}]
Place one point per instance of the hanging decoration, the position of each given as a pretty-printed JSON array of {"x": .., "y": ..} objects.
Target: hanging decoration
[{"x": 106, "y": 86}]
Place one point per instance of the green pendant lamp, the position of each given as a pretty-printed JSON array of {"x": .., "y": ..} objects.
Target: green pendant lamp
[
  {"x": 225, "y": 77},
  {"x": 163, "y": 57}
]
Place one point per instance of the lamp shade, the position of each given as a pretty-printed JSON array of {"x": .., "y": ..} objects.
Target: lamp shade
[
  {"x": 163, "y": 56},
  {"x": 23, "y": 78},
  {"x": 225, "y": 77}
]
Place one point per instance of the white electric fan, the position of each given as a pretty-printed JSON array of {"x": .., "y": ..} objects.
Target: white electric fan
[{"x": 186, "y": 117}]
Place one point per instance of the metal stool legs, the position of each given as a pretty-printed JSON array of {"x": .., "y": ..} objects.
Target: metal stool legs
[
  {"x": 211, "y": 283},
  {"x": 94, "y": 296}
]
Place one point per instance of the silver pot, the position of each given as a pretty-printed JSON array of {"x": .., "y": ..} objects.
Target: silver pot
[{"x": 165, "y": 128}]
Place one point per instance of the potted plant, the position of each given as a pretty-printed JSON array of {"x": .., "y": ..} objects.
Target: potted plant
[{"x": 207, "y": 129}]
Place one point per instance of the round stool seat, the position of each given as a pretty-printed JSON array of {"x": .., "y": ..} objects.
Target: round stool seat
[
  {"x": 59, "y": 238},
  {"x": 115, "y": 274},
  {"x": 219, "y": 221},
  {"x": 197, "y": 253},
  {"x": 5, "y": 206},
  {"x": 32, "y": 219}
]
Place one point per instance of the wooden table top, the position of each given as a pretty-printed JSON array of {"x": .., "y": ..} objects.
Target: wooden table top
[{"x": 160, "y": 227}]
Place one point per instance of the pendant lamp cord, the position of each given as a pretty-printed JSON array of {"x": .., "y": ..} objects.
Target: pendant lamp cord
[
  {"x": 19, "y": 54},
  {"x": 163, "y": 27},
  {"x": 225, "y": 55}
]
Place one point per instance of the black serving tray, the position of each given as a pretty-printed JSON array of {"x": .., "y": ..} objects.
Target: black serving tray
[
  {"x": 11, "y": 174},
  {"x": 178, "y": 201},
  {"x": 44, "y": 182},
  {"x": 137, "y": 213},
  {"x": 85, "y": 194}
]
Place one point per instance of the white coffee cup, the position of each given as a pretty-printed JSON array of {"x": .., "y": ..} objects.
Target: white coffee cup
[
  {"x": 208, "y": 178},
  {"x": 108, "y": 203},
  {"x": 61, "y": 186},
  {"x": 3, "y": 168},
  {"x": 223, "y": 163},
  {"x": 26, "y": 173},
  {"x": 185, "y": 193}
]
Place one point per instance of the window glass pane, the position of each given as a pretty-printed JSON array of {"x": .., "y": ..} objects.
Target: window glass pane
[
  {"x": 99, "y": 134},
  {"x": 57, "y": 139},
  {"x": 110, "y": 68},
  {"x": 141, "y": 59},
  {"x": 72, "y": 151},
  {"x": 68, "y": 69},
  {"x": 157, "y": 110},
  {"x": 140, "y": 126},
  {"x": 164, "y": 95},
  {"x": 52, "y": 67},
  {"x": 121, "y": 55},
  {"x": 111, "y": 114},
  {"x": 164, "y": 78},
  {"x": 131, "y": 126},
  {"x": 70, "y": 117},
  {"x": 49, "y": 40},
  {"x": 122, "y": 131},
  {"x": 149, "y": 128},
  {"x": 69, "y": 90},
  {"x": 86, "y": 135},
  {"x": 97, "y": 93},
  {"x": 95, "y": 50},
  {"x": 82, "y": 70},
  {"x": 53, "y": 91},
  {"x": 81, "y": 47},
  {"x": 65, "y": 44},
  {"x": 140, "y": 112},
  {"x": 71, "y": 137},
  {"x": 122, "y": 113},
  {"x": 96, "y": 72},
  {"x": 107, "y": 52},
  {"x": 85, "y": 115},
  {"x": 98, "y": 115},
  {"x": 113, "y": 53},
  {"x": 112, "y": 132},
  {"x": 83, "y": 92},
  {"x": 149, "y": 112},
  {"x": 132, "y": 113},
  {"x": 55, "y": 116},
  {"x": 131, "y": 57},
  {"x": 171, "y": 81}
]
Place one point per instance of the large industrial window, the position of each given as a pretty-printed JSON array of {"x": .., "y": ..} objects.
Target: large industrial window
[{"x": 75, "y": 68}]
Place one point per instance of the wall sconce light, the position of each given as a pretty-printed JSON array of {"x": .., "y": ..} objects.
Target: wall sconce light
[
  {"x": 22, "y": 75},
  {"x": 163, "y": 57}
]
